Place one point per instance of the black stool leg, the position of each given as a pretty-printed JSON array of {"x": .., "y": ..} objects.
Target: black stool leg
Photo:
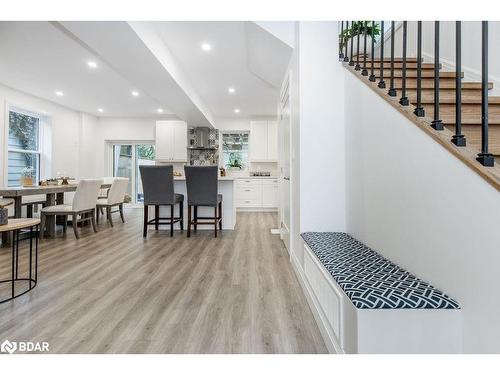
[
  {"x": 145, "y": 226},
  {"x": 215, "y": 220},
  {"x": 157, "y": 217},
  {"x": 189, "y": 221},
  {"x": 13, "y": 259},
  {"x": 181, "y": 214},
  {"x": 195, "y": 222},
  {"x": 171, "y": 220}
]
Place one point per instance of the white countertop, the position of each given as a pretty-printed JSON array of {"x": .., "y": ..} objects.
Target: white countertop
[
  {"x": 183, "y": 178},
  {"x": 256, "y": 177}
]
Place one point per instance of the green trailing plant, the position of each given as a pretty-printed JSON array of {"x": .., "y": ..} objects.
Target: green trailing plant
[{"x": 359, "y": 27}]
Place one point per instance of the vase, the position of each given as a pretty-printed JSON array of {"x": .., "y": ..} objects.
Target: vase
[
  {"x": 26, "y": 181},
  {"x": 4, "y": 216}
]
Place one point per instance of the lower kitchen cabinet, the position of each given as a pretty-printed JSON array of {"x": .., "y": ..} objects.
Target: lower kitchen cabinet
[{"x": 257, "y": 193}]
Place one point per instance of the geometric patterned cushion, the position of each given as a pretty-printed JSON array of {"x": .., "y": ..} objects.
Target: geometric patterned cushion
[{"x": 370, "y": 280}]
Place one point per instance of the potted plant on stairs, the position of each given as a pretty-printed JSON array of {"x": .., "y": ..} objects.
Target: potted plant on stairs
[{"x": 356, "y": 28}]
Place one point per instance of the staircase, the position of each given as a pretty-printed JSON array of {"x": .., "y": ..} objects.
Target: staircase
[
  {"x": 471, "y": 107},
  {"x": 471, "y": 99}
]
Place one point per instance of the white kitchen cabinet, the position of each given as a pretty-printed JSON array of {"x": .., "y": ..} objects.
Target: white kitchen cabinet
[
  {"x": 171, "y": 141},
  {"x": 256, "y": 193},
  {"x": 263, "y": 141},
  {"x": 272, "y": 140},
  {"x": 270, "y": 193}
]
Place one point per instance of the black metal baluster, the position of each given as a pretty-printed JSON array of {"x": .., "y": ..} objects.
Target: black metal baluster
[
  {"x": 364, "y": 72},
  {"x": 344, "y": 39},
  {"x": 372, "y": 54},
  {"x": 392, "y": 91},
  {"x": 484, "y": 157},
  {"x": 351, "y": 63},
  {"x": 458, "y": 138},
  {"x": 357, "y": 67},
  {"x": 404, "y": 99},
  {"x": 437, "y": 124},
  {"x": 341, "y": 54},
  {"x": 381, "y": 82},
  {"x": 419, "y": 110}
]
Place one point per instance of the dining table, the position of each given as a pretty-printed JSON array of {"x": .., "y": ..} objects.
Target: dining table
[{"x": 54, "y": 194}]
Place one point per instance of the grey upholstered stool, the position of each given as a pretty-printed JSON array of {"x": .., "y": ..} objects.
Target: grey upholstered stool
[
  {"x": 158, "y": 187},
  {"x": 202, "y": 190}
]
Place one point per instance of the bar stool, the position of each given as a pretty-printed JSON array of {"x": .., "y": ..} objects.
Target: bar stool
[
  {"x": 14, "y": 226},
  {"x": 158, "y": 187},
  {"x": 202, "y": 190}
]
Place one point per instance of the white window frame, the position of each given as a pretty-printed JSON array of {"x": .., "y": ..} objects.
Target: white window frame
[
  {"x": 43, "y": 166},
  {"x": 221, "y": 146},
  {"x": 110, "y": 163}
]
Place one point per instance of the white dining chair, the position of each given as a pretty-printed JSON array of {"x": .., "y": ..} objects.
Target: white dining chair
[
  {"x": 116, "y": 196},
  {"x": 81, "y": 209}
]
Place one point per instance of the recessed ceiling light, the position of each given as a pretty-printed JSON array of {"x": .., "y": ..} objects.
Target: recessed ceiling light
[
  {"x": 236, "y": 110},
  {"x": 159, "y": 110},
  {"x": 59, "y": 93},
  {"x": 231, "y": 90},
  {"x": 100, "y": 110},
  {"x": 92, "y": 64},
  {"x": 206, "y": 47},
  {"x": 135, "y": 93}
]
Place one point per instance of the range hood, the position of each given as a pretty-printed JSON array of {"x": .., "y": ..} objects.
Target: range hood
[{"x": 201, "y": 140}]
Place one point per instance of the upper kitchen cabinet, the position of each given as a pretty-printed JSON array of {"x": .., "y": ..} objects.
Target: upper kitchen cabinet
[
  {"x": 263, "y": 141},
  {"x": 171, "y": 141}
]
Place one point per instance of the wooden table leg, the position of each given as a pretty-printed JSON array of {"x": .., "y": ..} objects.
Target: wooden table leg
[{"x": 50, "y": 219}]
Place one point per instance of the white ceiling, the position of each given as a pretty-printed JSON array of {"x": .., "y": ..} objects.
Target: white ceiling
[
  {"x": 42, "y": 59},
  {"x": 161, "y": 60},
  {"x": 243, "y": 56}
]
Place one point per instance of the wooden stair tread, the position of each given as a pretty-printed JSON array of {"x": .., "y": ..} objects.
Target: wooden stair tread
[
  {"x": 399, "y": 65},
  {"x": 426, "y": 74},
  {"x": 411, "y": 83}
]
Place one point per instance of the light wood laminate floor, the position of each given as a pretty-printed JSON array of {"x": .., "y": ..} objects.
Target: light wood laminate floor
[{"x": 115, "y": 292}]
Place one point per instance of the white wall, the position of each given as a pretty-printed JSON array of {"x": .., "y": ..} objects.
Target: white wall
[
  {"x": 418, "y": 205},
  {"x": 65, "y": 132},
  {"x": 322, "y": 135},
  {"x": 317, "y": 134}
]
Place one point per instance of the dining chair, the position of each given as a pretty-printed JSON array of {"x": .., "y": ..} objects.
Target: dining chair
[
  {"x": 115, "y": 197},
  {"x": 202, "y": 190},
  {"x": 81, "y": 209},
  {"x": 158, "y": 188}
]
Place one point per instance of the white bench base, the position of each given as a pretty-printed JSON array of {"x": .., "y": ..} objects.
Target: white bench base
[{"x": 347, "y": 329}]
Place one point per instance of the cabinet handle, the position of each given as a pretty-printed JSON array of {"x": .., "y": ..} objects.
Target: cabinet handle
[
  {"x": 247, "y": 201},
  {"x": 248, "y": 190}
]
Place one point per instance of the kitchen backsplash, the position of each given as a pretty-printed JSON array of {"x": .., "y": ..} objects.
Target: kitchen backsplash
[{"x": 204, "y": 157}]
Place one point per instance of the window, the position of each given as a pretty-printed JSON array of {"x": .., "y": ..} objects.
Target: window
[
  {"x": 126, "y": 161},
  {"x": 23, "y": 147},
  {"x": 235, "y": 150}
]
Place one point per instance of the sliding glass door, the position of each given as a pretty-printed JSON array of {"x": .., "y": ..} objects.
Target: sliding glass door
[{"x": 126, "y": 161}]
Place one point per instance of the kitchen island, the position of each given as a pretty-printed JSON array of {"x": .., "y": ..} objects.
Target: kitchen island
[{"x": 226, "y": 188}]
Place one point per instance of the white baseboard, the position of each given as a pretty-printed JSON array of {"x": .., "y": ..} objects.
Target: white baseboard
[
  {"x": 255, "y": 209},
  {"x": 332, "y": 346}
]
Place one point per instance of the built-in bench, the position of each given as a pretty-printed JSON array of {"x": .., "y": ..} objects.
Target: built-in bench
[{"x": 364, "y": 303}]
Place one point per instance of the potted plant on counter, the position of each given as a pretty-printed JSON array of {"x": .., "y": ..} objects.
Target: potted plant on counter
[
  {"x": 234, "y": 162},
  {"x": 27, "y": 176},
  {"x": 4, "y": 212}
]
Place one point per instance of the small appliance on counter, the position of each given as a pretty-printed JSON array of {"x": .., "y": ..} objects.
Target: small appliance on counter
[{"x": 260, "y": 174}]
